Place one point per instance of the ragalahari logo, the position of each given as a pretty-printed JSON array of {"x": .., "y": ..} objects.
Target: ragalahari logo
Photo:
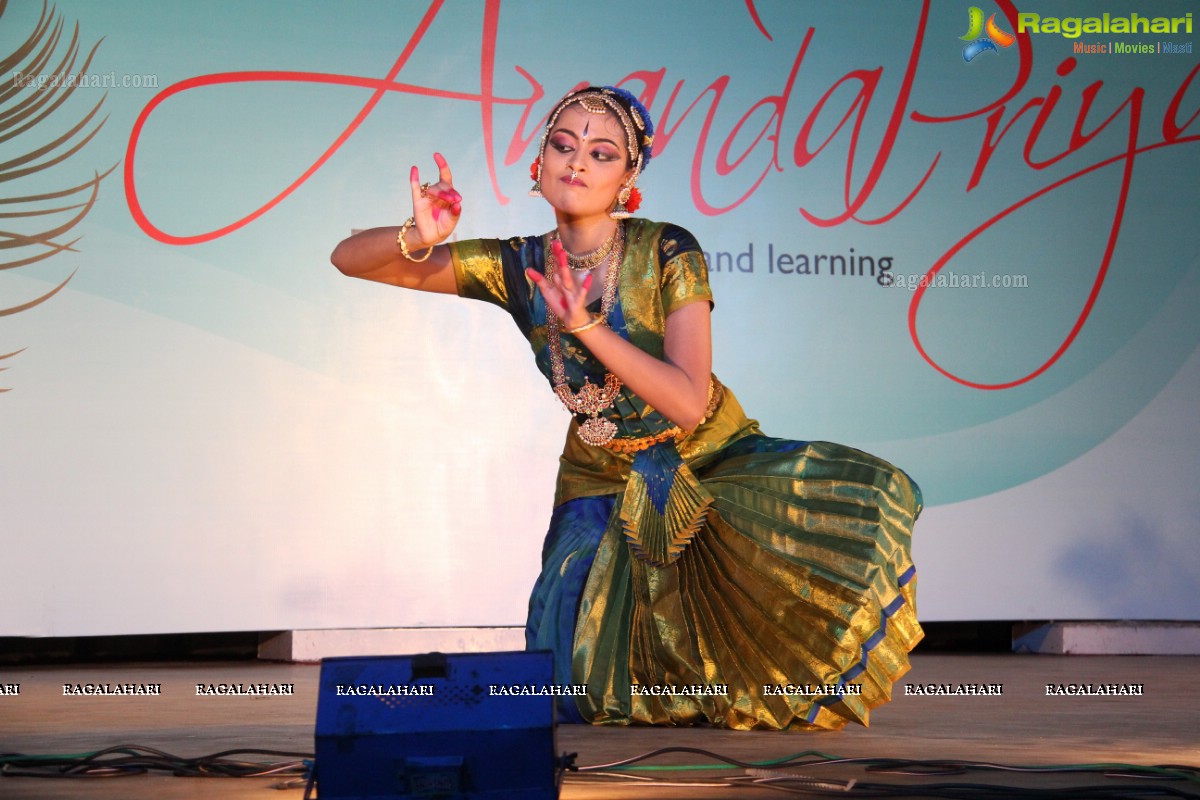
[{"x": 980, "y": 37}]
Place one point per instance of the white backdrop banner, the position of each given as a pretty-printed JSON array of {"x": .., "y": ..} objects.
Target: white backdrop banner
[{"x": 962, "y": 237}]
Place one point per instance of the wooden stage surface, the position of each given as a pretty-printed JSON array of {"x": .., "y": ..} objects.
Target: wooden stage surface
[{"x": 1021, "y": 726}]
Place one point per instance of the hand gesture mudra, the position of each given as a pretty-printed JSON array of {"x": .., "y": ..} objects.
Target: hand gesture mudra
[
  {"x": 565, "y": 297},
  {"x": 436, "y": 206}
]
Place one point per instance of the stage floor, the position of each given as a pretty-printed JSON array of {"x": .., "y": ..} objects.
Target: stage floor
[{"x": 1021, "y": 726}]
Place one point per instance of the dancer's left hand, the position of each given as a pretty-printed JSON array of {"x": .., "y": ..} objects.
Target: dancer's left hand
[{"x": 565, "y": 297}]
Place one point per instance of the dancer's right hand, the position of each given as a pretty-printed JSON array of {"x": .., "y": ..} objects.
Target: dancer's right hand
[{"x": 436, "y": 207}]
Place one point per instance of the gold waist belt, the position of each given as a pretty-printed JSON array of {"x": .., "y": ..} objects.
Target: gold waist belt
[{"x": 632, "y": 444}]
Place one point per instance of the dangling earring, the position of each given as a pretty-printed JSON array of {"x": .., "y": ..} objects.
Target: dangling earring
[
  {"x": 620, "y": 211},
  {"x": 535, "y": 174}
]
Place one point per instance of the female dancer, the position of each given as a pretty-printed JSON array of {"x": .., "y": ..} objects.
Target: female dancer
[{"x": 695, "y": 570}]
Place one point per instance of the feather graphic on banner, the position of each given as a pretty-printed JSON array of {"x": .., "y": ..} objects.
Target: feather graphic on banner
[{"x": 36, "y": 136}]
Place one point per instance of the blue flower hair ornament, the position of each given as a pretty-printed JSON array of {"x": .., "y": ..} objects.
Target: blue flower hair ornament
[{"x": 641, "y": 117}]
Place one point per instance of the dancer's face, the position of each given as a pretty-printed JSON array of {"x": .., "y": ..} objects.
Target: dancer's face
[{"x": 585, "y": 163}]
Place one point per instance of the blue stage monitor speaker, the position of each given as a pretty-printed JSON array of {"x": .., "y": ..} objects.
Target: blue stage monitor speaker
[{"x": 467, "y": 726}]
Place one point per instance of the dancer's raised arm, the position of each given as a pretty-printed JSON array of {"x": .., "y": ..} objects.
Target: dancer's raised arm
[{"x": 408, "y": 255}]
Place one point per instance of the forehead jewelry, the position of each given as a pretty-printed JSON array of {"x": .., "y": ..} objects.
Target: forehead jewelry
[
  {"x": 598, "y": 103},
  {"x": 593, "y": 105}
]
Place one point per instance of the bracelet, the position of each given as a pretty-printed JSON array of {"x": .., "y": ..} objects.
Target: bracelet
[
  {"x": 408, "y": 223},
  {"x": 596, "y": 320}
]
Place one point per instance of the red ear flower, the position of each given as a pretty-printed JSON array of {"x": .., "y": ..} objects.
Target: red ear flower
[
  {"x": 533, "y": 168},
  {"x": 635, "y": 200}
]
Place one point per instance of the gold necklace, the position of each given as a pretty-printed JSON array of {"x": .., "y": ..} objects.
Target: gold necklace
[
  {"x": 590, "y": 399},
  {"x": 588, "y": 261}
]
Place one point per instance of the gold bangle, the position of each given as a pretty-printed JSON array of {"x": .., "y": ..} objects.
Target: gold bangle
[
  {"x": 596, "y": 320},
  {"x": 408, "y": 223}
]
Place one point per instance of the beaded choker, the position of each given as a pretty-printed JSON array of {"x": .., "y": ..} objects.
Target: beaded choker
[
  {"x": 589, "y": 261},
  {"x": 590, "y": 399}
]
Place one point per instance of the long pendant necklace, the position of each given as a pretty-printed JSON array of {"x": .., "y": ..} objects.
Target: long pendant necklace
[{"x": 590, "y": 399}]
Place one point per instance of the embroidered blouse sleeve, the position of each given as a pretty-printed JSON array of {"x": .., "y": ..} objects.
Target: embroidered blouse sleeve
[
  {"x": 493, "y": 270},
  {"x": 684, "y": 271},
  {"x": 479, "y": 270}
]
